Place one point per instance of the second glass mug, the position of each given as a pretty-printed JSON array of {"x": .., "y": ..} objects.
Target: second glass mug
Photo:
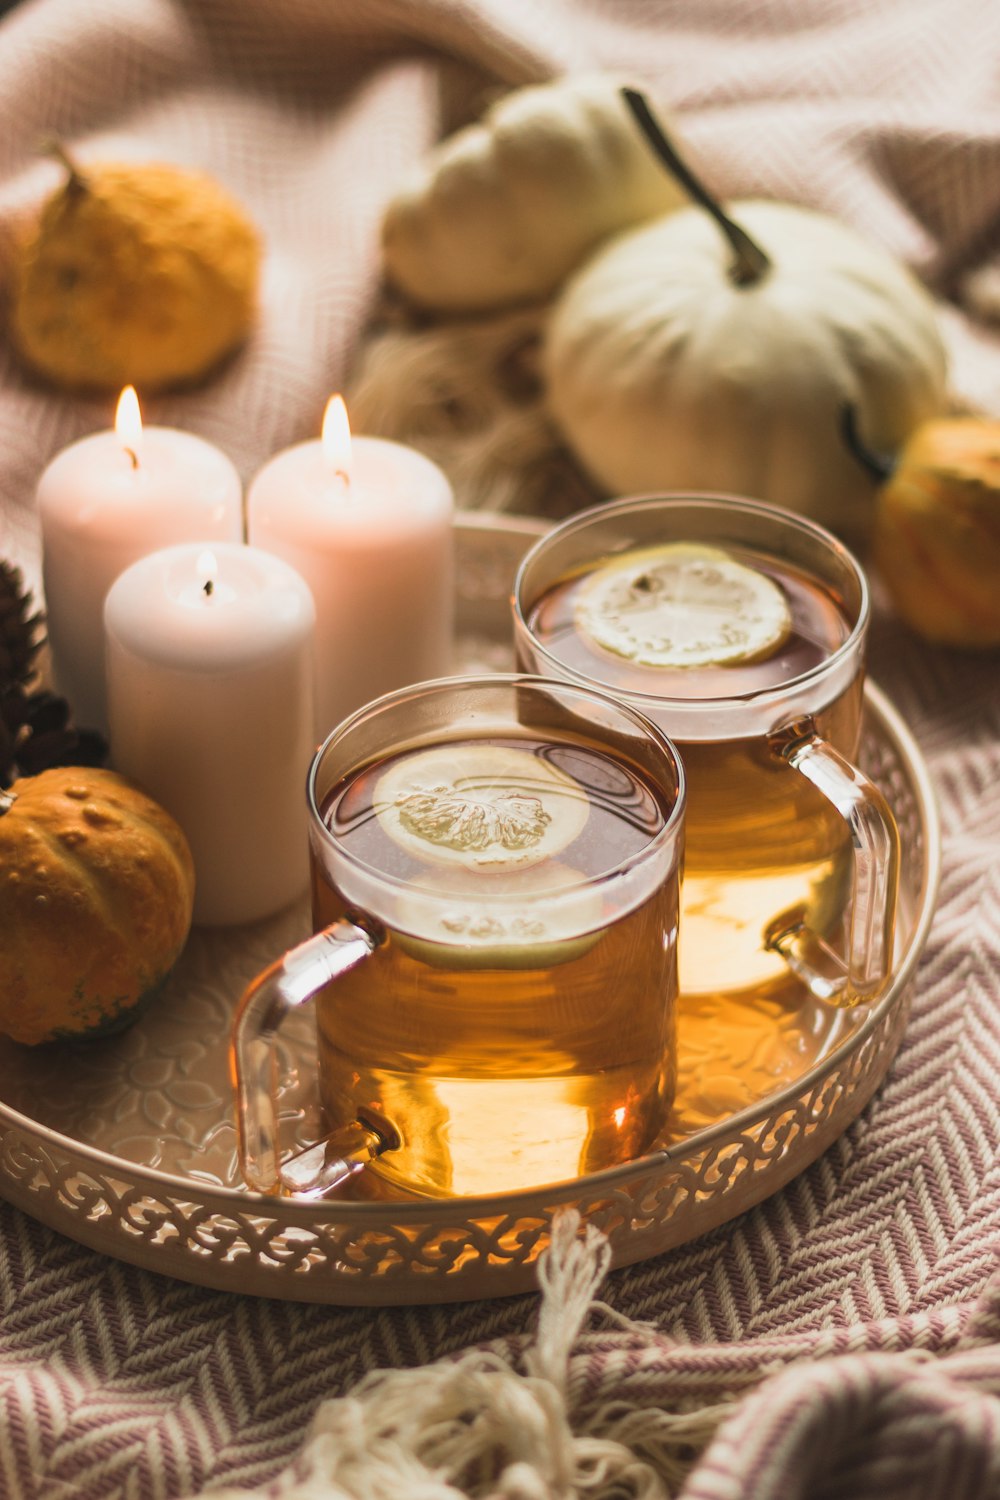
[
  {"x": 495, "y": 868},
  {"x": 791, "y": 862}
]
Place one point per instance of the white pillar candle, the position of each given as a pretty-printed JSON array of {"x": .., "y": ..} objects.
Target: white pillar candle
[
  {"x": 368, "y": 524},
  {"x": 210, "y": 678},
  {"x": 105, "y": 501}
]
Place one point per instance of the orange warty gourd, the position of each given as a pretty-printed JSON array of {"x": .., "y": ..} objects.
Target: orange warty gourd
[{"x": 96, "y": 893}]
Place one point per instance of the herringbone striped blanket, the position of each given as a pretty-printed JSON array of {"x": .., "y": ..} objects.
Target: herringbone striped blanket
[{"x": 841, "y": 1340}]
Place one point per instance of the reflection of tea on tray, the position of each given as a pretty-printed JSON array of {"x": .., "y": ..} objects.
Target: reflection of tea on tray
[
  {"x": 524, "y": 1030},
  {"x": 687, "y": 622}
]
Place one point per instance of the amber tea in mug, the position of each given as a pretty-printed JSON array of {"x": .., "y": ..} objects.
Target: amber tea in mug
[
  {"x": 512, "y": 849},
  {"x": 740, "y": 630}
]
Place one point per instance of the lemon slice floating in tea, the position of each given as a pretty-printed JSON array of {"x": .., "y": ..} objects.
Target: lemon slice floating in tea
[
  {"x": 529, "y": 918},
  {"x": 683, "y": 605},
  {"x": 482, "y": 806}
]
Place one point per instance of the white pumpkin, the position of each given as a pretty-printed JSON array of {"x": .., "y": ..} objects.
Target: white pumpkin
[
  {"x": 665, "y": 374},
  {"x": 502, "y": 211}
]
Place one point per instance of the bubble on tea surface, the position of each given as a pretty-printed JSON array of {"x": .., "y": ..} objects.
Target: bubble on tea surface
[
  {"x": 683, "y": 605},
  {"x": 529, "y": 918},
  {"x": 483, "y": 807}
]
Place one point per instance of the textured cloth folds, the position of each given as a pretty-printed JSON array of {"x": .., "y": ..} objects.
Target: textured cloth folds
[
  {"x": 543, "y": 1418},
  {"x": 849, "y": 1324}
]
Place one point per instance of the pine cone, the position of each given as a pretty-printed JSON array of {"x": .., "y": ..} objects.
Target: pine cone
[
  {"x": 36, "y": 734},
  {"x": 20, "y": 629},
  {"x": 36, "y": 730}
]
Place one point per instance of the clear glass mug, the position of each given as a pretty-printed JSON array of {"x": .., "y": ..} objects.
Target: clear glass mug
[
  {"x": 495, "y": 875},
  {"x": 792, "y": 854}
]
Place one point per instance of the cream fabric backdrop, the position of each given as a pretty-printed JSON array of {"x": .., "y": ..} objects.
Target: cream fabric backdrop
[{"x": 116, "y": 1383}]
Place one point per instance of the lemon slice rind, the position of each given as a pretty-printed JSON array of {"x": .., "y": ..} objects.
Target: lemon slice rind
[
  {"x": 683, "y": 605},
  {"x": 482, "y": 807},
  {"x": 532, "y": 918}
]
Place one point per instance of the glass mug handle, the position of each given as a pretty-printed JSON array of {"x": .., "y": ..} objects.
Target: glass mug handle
[
  {"x": 872, "y": 909},
  {"x": 265, "y": 1006}
]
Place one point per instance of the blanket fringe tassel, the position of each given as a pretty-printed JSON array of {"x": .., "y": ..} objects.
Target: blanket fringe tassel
[{"x": 477, "y": 1427}]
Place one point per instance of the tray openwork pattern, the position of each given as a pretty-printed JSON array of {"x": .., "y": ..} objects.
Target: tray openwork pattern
[{"x": 128, "y": 1146}]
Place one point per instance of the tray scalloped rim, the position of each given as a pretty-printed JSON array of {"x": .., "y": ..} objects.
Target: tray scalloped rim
[{"x": 503, "y": 1233}]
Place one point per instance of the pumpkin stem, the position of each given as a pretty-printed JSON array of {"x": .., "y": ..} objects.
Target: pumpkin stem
[
  {"x": 75, "y": 180},
  {"x": 881, "y": 466},
  {"x": 7, "y": 800},
  {"x": 749, "y": 262}
]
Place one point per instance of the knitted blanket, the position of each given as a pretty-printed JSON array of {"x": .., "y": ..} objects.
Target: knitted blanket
[{"x": 842, "y": 1339}]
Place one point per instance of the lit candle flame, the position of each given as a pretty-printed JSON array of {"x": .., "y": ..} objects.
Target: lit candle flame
[
  {"x": 207, "y": 567},
  {"x": 337, "y": 438},
  {"x": 128, "y": 424}
]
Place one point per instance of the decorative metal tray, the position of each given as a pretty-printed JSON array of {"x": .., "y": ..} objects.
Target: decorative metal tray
[{"x": 128, "y": 1145}]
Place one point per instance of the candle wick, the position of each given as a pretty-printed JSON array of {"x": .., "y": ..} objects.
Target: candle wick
[
  {"x": 133, "y": 456},
  {"x": 208, "y": 588},
  {"x": 343, "y": 474}
]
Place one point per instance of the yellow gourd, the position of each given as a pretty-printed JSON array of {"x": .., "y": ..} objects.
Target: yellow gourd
[
  {"x": 937, "y": 532},
  {"x": 134, "y": 274},
  {"x": 96, "y": 892}
]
